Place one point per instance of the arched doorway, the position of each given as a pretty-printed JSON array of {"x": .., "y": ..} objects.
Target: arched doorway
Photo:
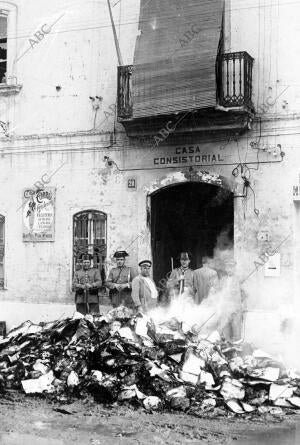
[{"x": 189, "y": 216}]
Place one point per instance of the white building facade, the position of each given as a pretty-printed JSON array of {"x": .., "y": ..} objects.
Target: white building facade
[{"x": 60, "y": 131}]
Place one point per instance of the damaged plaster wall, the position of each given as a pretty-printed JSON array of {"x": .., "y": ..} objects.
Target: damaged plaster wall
[{"x": 64, "y": 56}]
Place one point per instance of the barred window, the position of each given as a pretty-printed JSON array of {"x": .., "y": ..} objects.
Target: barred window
[
  {"x": 89, "y": 237},
  {"x": 2, "y": 241}
]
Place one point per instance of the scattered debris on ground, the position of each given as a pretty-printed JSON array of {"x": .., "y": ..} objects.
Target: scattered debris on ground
[{"x": 125, "y": 358}]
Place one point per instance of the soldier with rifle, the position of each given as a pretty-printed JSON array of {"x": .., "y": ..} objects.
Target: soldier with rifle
[
  {"x": 86, "y": 283},
  {"x": 181, "y": 279}
]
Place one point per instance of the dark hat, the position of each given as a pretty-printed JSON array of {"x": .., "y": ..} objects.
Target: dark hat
[
  {"x": 86, "y": 257},
  {"x": 120, "y": 254},
  {"x": 148, "y": 262},
  {"x": 185, "y": 256}
]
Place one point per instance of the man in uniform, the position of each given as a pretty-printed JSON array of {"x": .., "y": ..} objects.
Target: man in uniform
[
  {"x": 205, "y": 280},
  {"x": 144, "y": 291},
  {"x": 119, "y": 281},
  {"x": 86, "y": 283},
  {"x": 181, "y": 279}
]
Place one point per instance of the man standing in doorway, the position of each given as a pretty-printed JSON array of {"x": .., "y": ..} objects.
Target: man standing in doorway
[
  {"x": 181, "y": 279},
  {"x": 205, "y": 279},
  {"x": 119, "y": 281},
  {"x": 144, "y": 291},
  {"x": 86, "y": 283}
]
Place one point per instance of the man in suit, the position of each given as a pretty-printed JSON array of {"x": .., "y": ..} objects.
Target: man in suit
[
  {"x": 86, "y": 283},
  {"x": 144, "y": 292},
  {"x": 119, "y": 281},
  {"x": 204, "y": 280},
  {"x": 181, "y": 279}
]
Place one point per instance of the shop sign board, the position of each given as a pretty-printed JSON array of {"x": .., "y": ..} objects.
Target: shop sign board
[{"x": 38, "y": 214}]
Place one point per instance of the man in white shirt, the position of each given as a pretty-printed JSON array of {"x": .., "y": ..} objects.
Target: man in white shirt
[{"x": 144, "y": 291}]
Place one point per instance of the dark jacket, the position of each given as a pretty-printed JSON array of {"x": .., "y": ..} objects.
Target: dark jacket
[
  {"x": 123, "y": 275},
  {"x": 175, "y": 277},
  {"x": 90, "y": 276},
  {"x": 205, "y": 278}
]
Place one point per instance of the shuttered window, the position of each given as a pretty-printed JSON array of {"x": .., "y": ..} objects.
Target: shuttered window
[
  {"x": 175, "y": 56},
  {"x": 2, "y": 250}
]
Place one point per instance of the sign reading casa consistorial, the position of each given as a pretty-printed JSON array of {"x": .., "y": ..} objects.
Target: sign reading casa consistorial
[{"x": 38, "y": 214}]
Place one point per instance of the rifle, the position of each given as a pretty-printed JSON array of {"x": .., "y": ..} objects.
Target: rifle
[
  {"x": 181, "y": 287},
  {"x": 87, "y": 308}
]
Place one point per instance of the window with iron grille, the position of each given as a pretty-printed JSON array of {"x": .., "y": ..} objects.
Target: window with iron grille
[
  {"x": 89, "y": 237},
  {"x": 3, "y": 47},
  {"x": 2, "y": 240}
]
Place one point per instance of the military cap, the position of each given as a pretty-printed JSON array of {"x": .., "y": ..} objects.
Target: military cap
[
  {"x": 120, "y": 254},
  {"x": 145, "y": 262},
  {"x": 86, "y": 256}
]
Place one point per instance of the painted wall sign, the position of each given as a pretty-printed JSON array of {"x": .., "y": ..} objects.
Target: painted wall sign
[
  {"x": 204, "y": 154},
  {"x": 38, "y": 214},
  {"x": 198, "y": 159},
  {"x": 191, "y": 154}
]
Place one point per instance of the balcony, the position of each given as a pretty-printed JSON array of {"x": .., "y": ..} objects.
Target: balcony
[
  {"x": 235, "y": 80},
  {"x": 233, "y": 106}
]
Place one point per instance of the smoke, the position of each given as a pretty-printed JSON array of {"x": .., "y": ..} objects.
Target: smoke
[
  {"x": 223, "y": 254},
  {"x": 289, "y": 351},
  {"x": 214, "y": 313},
  {"x": 220, "y": 309},
  {"x": 275, "y": 331}
]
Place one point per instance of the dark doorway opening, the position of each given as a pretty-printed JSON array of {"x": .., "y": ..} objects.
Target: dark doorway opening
[{"x": 189, "y": 217}]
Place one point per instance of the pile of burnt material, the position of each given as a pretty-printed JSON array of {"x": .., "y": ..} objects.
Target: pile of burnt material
[{"x": 126, "y": 358}]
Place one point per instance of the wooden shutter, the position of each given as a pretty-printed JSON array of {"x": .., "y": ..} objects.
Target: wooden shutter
[{"x": 175, "y": 56}]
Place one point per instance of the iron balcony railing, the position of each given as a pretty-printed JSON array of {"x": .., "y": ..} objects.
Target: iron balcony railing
[
  {"x": 233, "y": 83},
  {"x": 234, "y": 79}
]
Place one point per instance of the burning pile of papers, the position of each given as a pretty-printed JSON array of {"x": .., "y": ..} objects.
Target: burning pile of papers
[{"x": 126, "y": 358}]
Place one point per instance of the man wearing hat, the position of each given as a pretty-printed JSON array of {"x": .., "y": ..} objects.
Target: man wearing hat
[
  {"x": 119, "y": 281},
  {"x": 181, "y": 279},
  {"x": 86, "y": 283},
  {"x": 144, "y": 292}
]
